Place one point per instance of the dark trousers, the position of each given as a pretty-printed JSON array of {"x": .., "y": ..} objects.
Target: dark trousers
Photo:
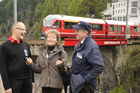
[
  {"x": 21, "y": 86},
  {"x": 89, "y": 88},
  {"x": 51, "y": 90}
]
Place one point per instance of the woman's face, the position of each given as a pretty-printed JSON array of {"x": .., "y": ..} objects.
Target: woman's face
[{"x": 51, "y": 39}]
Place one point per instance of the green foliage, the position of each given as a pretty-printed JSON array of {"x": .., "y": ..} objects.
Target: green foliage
[
  {"x": 73, "y": 8},
  {"x": 32, "y": 12},
  {"x": 120, "y": 89},
  {"x": 129, "y": 74}
]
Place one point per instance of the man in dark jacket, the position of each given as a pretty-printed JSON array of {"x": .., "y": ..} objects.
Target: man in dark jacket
[
  {"x": 87, "y": 62},
  {"x": 16, "y": 75}
]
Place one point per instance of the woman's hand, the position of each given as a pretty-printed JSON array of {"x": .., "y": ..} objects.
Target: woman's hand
[{"x": 59, "y": 62}]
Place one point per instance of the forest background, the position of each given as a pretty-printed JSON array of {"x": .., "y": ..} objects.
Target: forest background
[{"x": 32, "y": 12}]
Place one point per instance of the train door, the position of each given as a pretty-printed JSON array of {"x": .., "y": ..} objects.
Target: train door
[
  {"x": 123, "y": 31},
  {"x": 128, "y": 32}
]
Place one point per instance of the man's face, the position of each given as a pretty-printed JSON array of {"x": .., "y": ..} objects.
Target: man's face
[
  {"x": 20, "y": 31},
  {"x": 81, "y": 34}
]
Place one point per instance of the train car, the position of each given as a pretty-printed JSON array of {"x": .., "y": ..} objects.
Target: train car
[
  {"x": 117, "y": 29},
  {"x": 64, "y": 25},
  {"x": 135, "y": 32},
  {"x": 104, "y": 32}
]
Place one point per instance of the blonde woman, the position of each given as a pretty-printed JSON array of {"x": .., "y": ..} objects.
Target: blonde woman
[{"x": 51, "y": 57}]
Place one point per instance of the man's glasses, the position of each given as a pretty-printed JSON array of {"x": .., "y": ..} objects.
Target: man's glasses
[
  {"x": 21, "y": 29},
  {"x": 51, "y": 37}
]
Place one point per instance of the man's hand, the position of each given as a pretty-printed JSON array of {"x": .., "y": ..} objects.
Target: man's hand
[
  {"x": 8, "y": 90},
  {"x": 33, "y": 84},
  {"x": 29, "y": 61}
]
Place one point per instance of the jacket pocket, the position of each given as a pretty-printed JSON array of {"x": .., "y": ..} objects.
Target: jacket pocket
[{"x": 79, "y": 60}]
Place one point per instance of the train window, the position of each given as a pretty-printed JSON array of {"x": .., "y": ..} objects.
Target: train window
[
  {"x": 68, "y": 25},
  {"x": 48, "y": 21},
  {"x": 136, "y": 29},
  {"x": 119, "y": 29},
  {"x": 111, "y": 28},
  {"x": 115, "y": 28},
  {"x": 56, "y": 24},
  {"x": 97, "y": 27}
]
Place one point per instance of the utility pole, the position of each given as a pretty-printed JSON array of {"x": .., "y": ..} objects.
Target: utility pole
[
  {"x": 15, "y": 11},
  {"x": 126, "y": 33}
]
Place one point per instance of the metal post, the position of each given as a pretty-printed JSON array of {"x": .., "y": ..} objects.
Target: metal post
[
  {"x": 15, "y": 11},
  {"x": 126, "y": 33}
]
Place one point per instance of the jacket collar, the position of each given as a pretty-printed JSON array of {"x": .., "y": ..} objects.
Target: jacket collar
[
  {"x": 84, "y": 42},
  {"x": 43, "y": 50},
  {"x": 76, "y": 49}
]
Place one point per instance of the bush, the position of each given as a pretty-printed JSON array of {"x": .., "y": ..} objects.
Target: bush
[{"x": 120, "y": 89}]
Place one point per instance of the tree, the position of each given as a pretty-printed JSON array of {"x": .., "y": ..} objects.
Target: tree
[{"x": 93, "y": 7}]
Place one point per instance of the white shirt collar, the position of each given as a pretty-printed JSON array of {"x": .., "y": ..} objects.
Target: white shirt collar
[{"x": 82, "y": 41}]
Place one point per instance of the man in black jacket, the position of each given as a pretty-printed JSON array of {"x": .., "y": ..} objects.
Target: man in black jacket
[
  {"x": 1, "y": 83},
  {"x": 16, "y": 75}
]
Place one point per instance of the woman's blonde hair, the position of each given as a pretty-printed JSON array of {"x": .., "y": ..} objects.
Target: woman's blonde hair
[{"x": 55, "y": 32}]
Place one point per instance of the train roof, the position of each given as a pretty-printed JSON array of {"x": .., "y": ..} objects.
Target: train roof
[
  {"x": 114, "y": 22},
  {"x": 76, "y": 19},
  {"x": 89, "y": 20}
]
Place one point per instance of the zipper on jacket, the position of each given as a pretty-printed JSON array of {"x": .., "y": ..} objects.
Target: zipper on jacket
[{"x": 49, "y": 74}]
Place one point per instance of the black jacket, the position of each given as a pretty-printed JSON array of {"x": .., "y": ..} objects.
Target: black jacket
[{"x": 13, "y": 60}]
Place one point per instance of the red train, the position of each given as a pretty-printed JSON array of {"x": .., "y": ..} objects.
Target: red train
[{"x": 104, "y": 32}]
